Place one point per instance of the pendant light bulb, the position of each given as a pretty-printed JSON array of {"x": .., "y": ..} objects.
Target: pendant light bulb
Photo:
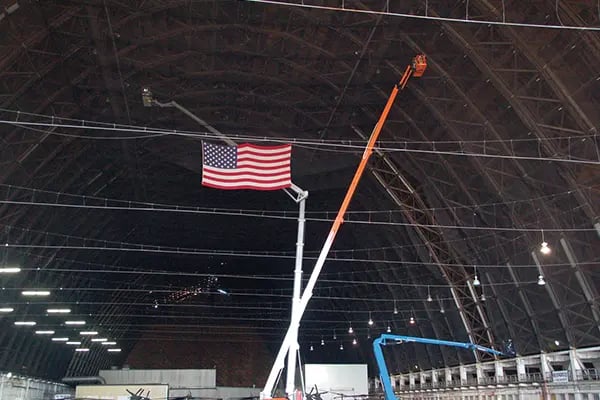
[
  {"x": 322, "y": 342},
  {"x": 341, "y": 346},
  {"x": 312, "y": 348},
  {"x": 482, "y": 296},
  {"x": 395, "y": 308},
  {"x": 476, "y": 281},
  {"x": 389, "y": 329},
  {"x": 350, "y": 330},
  {"x": 354, "y": 342},
  {"x": 334, "y": 335},
  {"x": 541, "y": 281},
  {"x": 544, "y": 249},
  {"x": 429, "y": 298},
  {"x": 370, "y": 320},
  {"x": 412, "y": 320}
]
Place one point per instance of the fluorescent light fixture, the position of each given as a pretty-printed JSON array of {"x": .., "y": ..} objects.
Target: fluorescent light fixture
[
  {"x": 35, "y": 293},
  {"x": 108, "y": 343},
  {"x": 82, "y": 349},
  {"x": 25, "y": 323},
  {"x": 58, "y": 310},
  {"x": 88, "y": 333},
  {"x": 99, "y": 339},
  {"x": 7, "y": 309},
  {"x": 114, "y": 350},
  {"x": 74, "y": 343},
  {"x": 60, "y": 339},
  {"x": 74, "y": 322},
  {"x": 10, "y": 270},
  {"x": 44, "y": 332}
]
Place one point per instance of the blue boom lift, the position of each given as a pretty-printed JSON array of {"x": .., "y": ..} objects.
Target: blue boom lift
[{"x": 386, "y": 340}]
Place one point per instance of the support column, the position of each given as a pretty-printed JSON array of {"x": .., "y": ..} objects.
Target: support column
[
  {"x": 448, "y": 376},
  {"x": 546, "y": 368},
  {"x": 521, "y": 371},
  {"x": 434, "y": 378},
  {"x": 480, "y": 374},
  {"x": 411, "y": 380},
  {"x": 499, "y": 369},
  {"x": 575, "y": 364},
  {"x": 462, "y": 370}
]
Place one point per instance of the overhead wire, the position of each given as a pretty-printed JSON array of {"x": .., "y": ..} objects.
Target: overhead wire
[
  {"x": 427, "y": 16},
  {"x": 319, "y": 145}
]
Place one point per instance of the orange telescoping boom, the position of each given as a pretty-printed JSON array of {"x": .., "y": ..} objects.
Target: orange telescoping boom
[{"x": 417, "y": 68}]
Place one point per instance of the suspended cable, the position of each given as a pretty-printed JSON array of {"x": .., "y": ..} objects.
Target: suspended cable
[
  {"x": 249, "y": 254},
  {"x": 427, "y": 17},
  {"x": 312, "y": 219},
  {"x": 150, "y": 206},
  {"x": 459, "y": 153}
]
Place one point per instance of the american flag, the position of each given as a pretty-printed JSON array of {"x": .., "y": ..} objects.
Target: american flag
[{"x": 246, "y": 166}]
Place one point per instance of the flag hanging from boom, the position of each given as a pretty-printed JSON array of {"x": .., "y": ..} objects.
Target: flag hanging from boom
[{"x": 246, "y": 166}]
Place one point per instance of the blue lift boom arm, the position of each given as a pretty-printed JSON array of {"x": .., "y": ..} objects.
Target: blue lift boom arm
[{"x": 386, "y": 339}]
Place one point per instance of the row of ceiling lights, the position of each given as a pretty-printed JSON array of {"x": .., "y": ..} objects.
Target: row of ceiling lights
[{"x": 45, "y": 293}]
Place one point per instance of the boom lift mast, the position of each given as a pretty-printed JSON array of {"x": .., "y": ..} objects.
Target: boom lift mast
[
  {"x": 289, "y": 345},
  {"x": 388, "y": 339}
]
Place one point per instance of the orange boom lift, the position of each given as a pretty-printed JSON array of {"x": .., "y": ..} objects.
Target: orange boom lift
[{"x": 416, "y": 68}]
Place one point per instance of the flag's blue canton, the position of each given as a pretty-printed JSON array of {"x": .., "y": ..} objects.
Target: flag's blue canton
[{"x": 220, "y": 156}]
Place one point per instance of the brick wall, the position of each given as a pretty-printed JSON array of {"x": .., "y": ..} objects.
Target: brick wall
[{"x": 237, "y": 363}]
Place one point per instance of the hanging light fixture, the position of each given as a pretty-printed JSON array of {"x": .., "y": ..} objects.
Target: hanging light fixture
[
  {"x": 334, "y": 335},
  {"x": 483, "y": 297},
  {"x": 322, "y": 341},
  {"x": 544, "y": 248},
  {"x": 370, "y": 319},
  {"x": 369, "y": 334},
  {"x": 429, "y": 299},
  {"x": 395, "y": 308},
  {"x": 541, "y": 281},
  {"x": 354, "y": 342},
  {"x": 389, "y": 328},
  {"x": 350, "y": 330},
  {"x": 411, "y": 320},
  {"x": 312, "y": 348},
  {"x": 476, "y": 281},
  {"x": 341, "y": 346}
]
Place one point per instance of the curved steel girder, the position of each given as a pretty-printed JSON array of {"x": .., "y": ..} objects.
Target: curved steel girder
[{"x": 529, "y": 120}]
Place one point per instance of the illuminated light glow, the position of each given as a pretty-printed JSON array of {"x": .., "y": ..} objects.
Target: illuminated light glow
[
  {"x": 541, "y": 281},
  {"x": 108, "y": 343},
  {"x": 74, "y": 322},
  {"x": 60, "y": 339},
  {"x": 99, "y": 339},
  {"x": 354, "y": 342},
  {"x": 557, "y": 343},
  {"x": 114, "y": 350},
  {"x": 44, "y": 332},
  {"x": 82, "y": 349},
  {"x": 74, "y": 343},
  {"x": 7, "y": 309},
  {"x": 412, "y": 320},
  {"x": 88, "y": 333},
  {"x": 350, "y": 330},
  {"x": 322, "y": 342},
  {"x": 35, "y": 293},
  {"x": 58, "y": 310},
  {"x": 389, "y": 329},
  {"x": 312, "y": 348},
  {"x": 544, "y": 249},
  {"x": 341, "y": 346},
  {"x": 476, "y": 281},
  {"x": 10, "y": 270},
  {"x": 25, "y": 323}
]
